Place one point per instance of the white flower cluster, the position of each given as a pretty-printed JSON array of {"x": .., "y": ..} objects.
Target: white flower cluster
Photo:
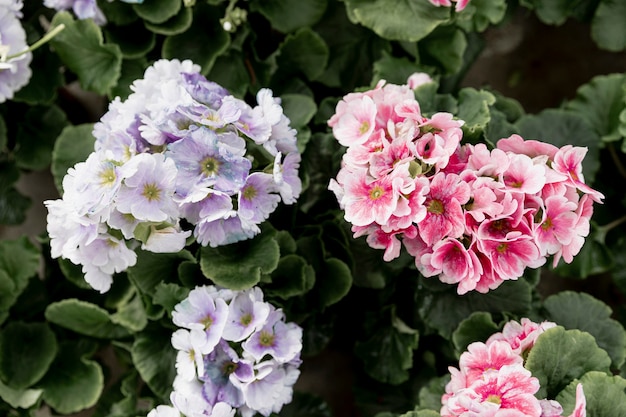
[
  {"x": 15, "y": 69},
  {"x": 180, "y": 147},
  {"x": 236, "y": 353}
]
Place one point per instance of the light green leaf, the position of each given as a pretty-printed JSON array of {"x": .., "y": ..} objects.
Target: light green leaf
[
  {"x": 607, "y": 26},
  {"x": 80, "y": 46},
  {"x": 559, "y": 356},
  {"x": 239, "y": 266},
  {"x": 303, "y": 52},
  {"x": 157, "y": 11},
  {"x": 84, "y": 318},
  {"x": 168, "y": 295},
  {"x": 581, "y": 311},
  {"x": 403, "y": 20},
  {"x": 600, "y": 102},
  {"x": 36, "y": 136},
  {"x": 605, "y": 395},
  {"x": 73, "y": 382},
  {"x": 26, "y": 352},
  {"x": 154, "y": 357},
  {"x": 289, "y": 15},
  {"x": 131, "y": 315},
  {"x": 476, "y": 328},
  {"x": 479, "y": 14},
  {"x": 474, "y": 110},
  {"x": 19, "y": 398},
  {"x": 444, "y": 48},
  {"x": 73, "y": 145},
  {"x": 299, "y": 108}
]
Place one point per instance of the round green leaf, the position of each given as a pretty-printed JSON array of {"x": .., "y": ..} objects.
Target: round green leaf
[
  {"x": 479, "y": 14},
  {"x": 304, "y": 51},
  {"x": 239, "y": 266},
  {"x": 444, "y": 47},
  {"x": 19, "y": 260},
  {"x": 293, "y": 276},
  {"x": 174, "y": 25},
  {"x": 84, "y": 318},
  {"x": 476, "y": 328},
  {"x": 73, "y": 145},
  {"x": 26, "y": 352},
  {"x": 299, "y": 108},
  {"x": 607, "y": 27},
  {"x": 157, "y": 11},
  {"x": 19, "y": 398},
  {"x": 168, "y": 295},
  {"x": 154, "y": 357},
  {"x": 605, "y": 395},
  {"x": 13, "y": 206},
  {"x": 559, "y": 356},
  {"x": 333, "y": 282},
  {"x": 404, "y": 20},
  {"x": 73, "y": 383},
  {"x": 288, "y": 15},
  {"x": 474, "y": 110},
  {"x": 581, "y": 311},
  {"x": 133, "y": 47}
]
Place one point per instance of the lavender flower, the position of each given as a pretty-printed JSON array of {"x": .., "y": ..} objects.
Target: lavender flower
[{"x": 15, "y": 71}]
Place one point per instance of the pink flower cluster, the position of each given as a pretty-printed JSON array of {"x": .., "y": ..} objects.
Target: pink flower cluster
[
  {"x": 471, "y": 215},
  {"x": 492, "y": 382}
]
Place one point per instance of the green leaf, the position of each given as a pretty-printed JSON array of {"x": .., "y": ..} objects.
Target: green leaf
[
  {"x": 118, "y": 12},
  {"x": 19, "y": 261},
  {"x": 19, "y": 398},
  {"x": 394, "y": 70},
  {"x": 561, "y": 128},
  {"x": 474, "y": 110},
  {"x": 80, "y": 46},
  {"x": 36, "y": 136},
  {"x": 132, "y": 69},
  {"x": 333, "y": 282},
  {"x": 299, "y": 108},
  {"x": 292, "y": 277},
  {"x": 403, "y": 20},
  {"x": 132, "y": 315},
  {"x": 73, "y": 383},
  {"x": 303, "y": 52},
  {"x": 554, "y": 12},
  {"x": 185, "y": 45},
  {"x": 479, "y": 14},
  {"x": 157, "y": 11},
  {"x": 239, "y": 266},
  {"x": 84, "y": 318},
  {"x": 133, "y": 47},
  {"x": 559, "y": 356},
  {"x": 26, "y": 352},
  {"x": 13, "y": 206},
  {"x": 306, "y": 404},
  {"x": 388, "y": 354},
  {"x": 74, "y": 145},
  {"x": 605, "y": 395},
  {"x": 154, "y": 268},
  {"x": 476, "y": 328},
  {"x": 168, "y": 295},
  {"x": 289, "y": 15},
  {"x": 600, "y": 102},
  {"x": 581, "y": 311},
  {"x": 444, "y": 47},
  {"x": 174, "y": 25},
  {"x": 154, "y": 357},
  {"x": 594, "y": 258},
  {"x": 511, "y": 296},
  {"x": 45, "y": 81},
  {"x": 230, "y": 72},
  {"x": 431, "y": 393},
  {"x": 607, "y": 26}
]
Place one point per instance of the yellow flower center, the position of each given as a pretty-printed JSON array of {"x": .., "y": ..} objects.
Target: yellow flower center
[
  {"x": 376, "y": 193},
  {"x": 151, "y": 192}
]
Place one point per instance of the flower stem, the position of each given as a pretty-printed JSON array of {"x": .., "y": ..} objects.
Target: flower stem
[
  {"x": 616, "y": 161},
  {"x": 47, "y": 37}
]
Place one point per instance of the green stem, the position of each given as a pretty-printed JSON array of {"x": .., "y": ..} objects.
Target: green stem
[
  {"x": 601, "y": 231},
  {"x": 616, "y": 161},
  {"x": 40, "y": 42}
]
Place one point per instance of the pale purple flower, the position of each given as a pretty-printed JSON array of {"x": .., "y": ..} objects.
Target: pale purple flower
[
  {"x": 257, "y": 199},
  {"x": 124, "y": 222},
  {"x": 277, "y": 338},
  {"x": 67, "y": 229},
  {"x": 169, "y": 239},
  {"x": 251, "y": 122},
  {"x": 247, "y": 313},
  {"x": 148, "y": 189},
  {"x": 206, "y": 205},
  {"x": 286, "y": 177},
  {"x": 201, "y": 312},
  {"x": 15, "y": 73},
  {"x": 221, "y": 367},
  {"x": 83, "y": 9},
  {"x": 222, "y": 231},
  {"x": 205, "y": 91},
  {"x": 283, "y": 138}
]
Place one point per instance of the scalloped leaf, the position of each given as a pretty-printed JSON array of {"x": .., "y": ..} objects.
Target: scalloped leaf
[
  {"x": 394, "y": 70},
  {"x": 154, "y": 268},
  {"x": 600, "y": 102},
  {"x": 479, "y": 14},
  {"x": 154, "y": 357},
  {"x": 19, "y": 398},
  {"x": 174, "y": 25},
  {"x": 73, "y": 382},
  {"x": 474, "y": 110},
  {"x": 26, "y": 352},
  {"x": 142, "y": 41},
  {"x": 230, "y": 72},
  {"x": 13, "y": 206},
  {"x": 581, "y": 311},
  {"x": 84, "y": 318},
  {"x": 292, "y": 277},
  {"x": 289, "y": 15},
  {"x": 74, "y": 145},
  {"x": 476, "y": 328},
  {"x": 444, "y": 48},
  {"x": 333, "y": 282},
  {"x": 605, "y": 395},
  {"x": 80, "y": 46},
  {"x": 559, "y": 356},
  {"x": 303, "y": 52},
  {"x": 168, "y": 295},
  {"x": 607, "y": 26},
  {"x": 239, "y": 266},
  {"x": 157, "y": 11},
  {"x": 131, "y": 315},
  {"x": 403, "y": 20}
]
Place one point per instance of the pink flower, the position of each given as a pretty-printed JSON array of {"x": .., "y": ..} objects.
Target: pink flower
[
  {"x": 480, "y": 358},
  {"x": 454, "y": 264},
  {"x": 568, "y": 160},
  {"x": 521, "y": 336},
  {"x": 581, "y": 403},
  {"x": 444, "y": 215},
  {"x": 510, "y": 258},
  {"x": 523, "y": 176},
  {"x": 460, "y": 4},
  {"x": 580, "y": 231},
  {"x": 418, "y": 78},
  {"x": 557, "y": 225},
  {"x": 355, "y": 121},
  {"x": 532, "y": 148}
]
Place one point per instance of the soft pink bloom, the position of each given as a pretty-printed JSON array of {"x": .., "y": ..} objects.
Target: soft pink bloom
[
  {"x": 521, "y": 335},
  {"x": 454, "y": 264},
  {"x": 523, "y": 176},
  {"x": 568, "y": 160},
  {"x": 444, "y": 215},
  {"x": 581, "y": 403},
  {"x": 517, "y": 145},
  {"x": 418, "y": 78},
  {"x": 487, "y": 163},
  {"x": 440, "y": 140},
  {"x": 510, "y": 258},
  {"x": 480, "y": 358},
  {"x": 460, "y": 4},
  {"x": 377, "y": 238},
  {"x": 580, "y": 231},
  {"x": 355, "y": 123},
  {"x": 557, "y": 226},
  {"x": 400, "y": 151}
]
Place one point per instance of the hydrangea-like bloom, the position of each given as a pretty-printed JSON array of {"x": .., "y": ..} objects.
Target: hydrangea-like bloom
[
  {"x": 15, "y": 72},
  {"x": 249, "y": 367},
  {"x": 472, "y": 216},
  {"x": 176, "y": 155}
]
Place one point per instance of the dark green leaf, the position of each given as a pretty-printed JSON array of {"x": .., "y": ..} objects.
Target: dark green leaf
[
  {"x": 306, "y": 404},
  {"x": 168, "y": 295},
  {"x": 594, "y": 258},
  {"x": 479, "y": 14},
  {"x": 605, "y": 395},
  {"x": 131, "y": 315},
  {"x": 26, "y": 352},
  {"x": 607, "y": 27},
  {"x": 394, "y": 70},
  {"x": 154, "y": 268},
  {"x": 118, "y": 12},
  {"x": 133, "y": 47},
  {"x": 404, "y": 20},
  {"x": 174, "y": 25},
  {"x": 154, "y": 357},
  {"x": 288, "y": 15},
  {"x": 583, "y": 312},
  {"x": 299, "y": 108},
  {"x": 230, "y": 72},
  {"x": 239, "y": 265},
  {"x": 333, "y": 282},
  {"x": 157, "y": 11},
  {"x": 293, "y": 276},
  {"x": 476, "y": 328},
  {"x": 559, "y": 356},
  {"x": 444, "y": 48},
  {"x": 73, "y": 145},
  {"x": 45, "y": 81},
  {"x": 84, "y": 318},
  {"x": 303, "y": 52},
  {"x": 13, "y": 206},
  {"x": 19, "y": 261},
  {"x": 132, "y": 69},
  {"x": 474, "y": 110},
  {"x": 80, "y": 46},
  {"x": 37, "y": 135},
  {"x": 3, "y": 136}
]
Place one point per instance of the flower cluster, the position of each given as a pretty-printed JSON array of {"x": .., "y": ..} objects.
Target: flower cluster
[
  {"x": 235, "y": 353},
  {"x": 180, "y": 147},
  {"x": 472, "y": 216},
  {"x": 15, "y": 69},
  {"x": 83, "y": 9},
  {"x": 492, "y": 381}
]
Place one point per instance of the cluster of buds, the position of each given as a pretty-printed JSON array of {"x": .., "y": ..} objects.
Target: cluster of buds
[
  {"x": 472, "y": 216},
  {"x": 236, "y": 353},
  {"x": 492, "y": 381},
  {"x": 180, "y": 147}
]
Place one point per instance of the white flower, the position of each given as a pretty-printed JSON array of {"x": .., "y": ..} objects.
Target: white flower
[{"x": 14, "y": 72}]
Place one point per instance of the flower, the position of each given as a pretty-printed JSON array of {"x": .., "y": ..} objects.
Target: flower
[
  {"x": 15, "y": 70},
  {"x": 83, "y": 9},
  {"x": 460, "y": 4}
]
